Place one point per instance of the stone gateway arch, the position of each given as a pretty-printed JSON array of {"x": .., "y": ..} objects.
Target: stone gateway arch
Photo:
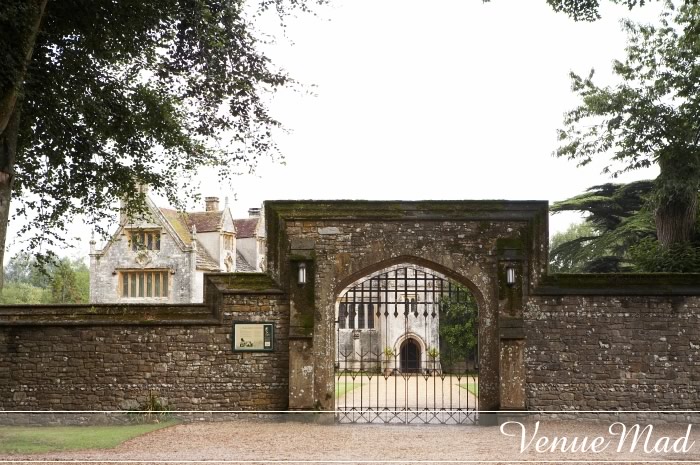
[{"x": 470, "y": 243}]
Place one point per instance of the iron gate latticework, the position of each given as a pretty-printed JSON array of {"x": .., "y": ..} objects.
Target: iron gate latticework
[{"x": 407, "y": 349}]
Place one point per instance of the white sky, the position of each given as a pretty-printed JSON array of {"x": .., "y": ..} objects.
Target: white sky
[
  {"x": 448, "y": 99},
  {"x": 456, "y": 100}
]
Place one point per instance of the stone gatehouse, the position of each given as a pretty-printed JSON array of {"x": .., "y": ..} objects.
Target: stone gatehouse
[{"x": 545, "y": 342}]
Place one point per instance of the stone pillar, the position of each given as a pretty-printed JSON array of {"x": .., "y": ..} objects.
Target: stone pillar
[
  {"x": 512, "y": 364},
  {"x": 301, "y": 373},
  {"x": 511, "y": 333},
  {"x": 301, "y": 326}
]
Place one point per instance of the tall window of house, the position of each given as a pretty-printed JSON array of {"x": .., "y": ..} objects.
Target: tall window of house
[
  {"x": 351, "y": 317},
  {"x": 342, "y": 316},
  {"x": 144, "y": 283},
  {"x": 144, "y": 240},
  {"x": 228, "y": 241},
  {"x": 361, "y": 316},
  {"x": 363, "y": 312}
]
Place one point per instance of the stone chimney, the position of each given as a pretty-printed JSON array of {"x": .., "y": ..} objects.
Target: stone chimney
[
  {"x": 212, "y": 204},
  {"x": 254, "y": 212}
]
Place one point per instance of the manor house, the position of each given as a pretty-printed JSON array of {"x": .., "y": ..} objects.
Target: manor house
[{"x": 162, "y": 256}]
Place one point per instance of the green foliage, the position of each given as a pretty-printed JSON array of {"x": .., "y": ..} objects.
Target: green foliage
[
  {"x": 64, "y": 284},
  {"x": 433, "y": 353},
  {"x": 570, "y": 251},
  {"x": 616, "y": 219},
  {"x": 586, "y": 10},
  {"x": 649, "y": 256},
  {"x": 24, "y": 268},
  {"x": 617, "y": 234},
  {"x": 649, "y": 117},
  {"x": 30, "y": 282},
  {"x": 458, "y": 329},
  {"x": 130, "y": 92},
  {"x": 389, "y": 353},
  {"x": 24, "y": 293},
  {"x": 82, "y": 280},
  {"x": 608, "y": 205},
  {"x": 152, "y": 410}
]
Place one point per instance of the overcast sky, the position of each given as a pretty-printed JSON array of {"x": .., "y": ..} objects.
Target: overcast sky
[
  {"x": 434, "y": 100},
  {"x": 420, "y": 100}
]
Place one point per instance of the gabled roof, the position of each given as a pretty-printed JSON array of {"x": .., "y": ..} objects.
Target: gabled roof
[
  {"x": 245, "y": 227},
  {"x": 205, "y": 221},
  {"x": 204, "y": 260},
  {"x": 169, "y": 219},
  {"x": 242, "y": 264},
  {"x": 184, "y": 222},
  {"x": 178, "y": 222}
]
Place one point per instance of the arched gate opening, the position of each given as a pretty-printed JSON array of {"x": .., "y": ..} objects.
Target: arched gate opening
[
  {"x": 410, "y": 356},
  {"x": 406, "y": 349}
]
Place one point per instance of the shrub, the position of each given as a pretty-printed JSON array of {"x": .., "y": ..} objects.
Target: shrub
[{"x": 648, "y": 256}]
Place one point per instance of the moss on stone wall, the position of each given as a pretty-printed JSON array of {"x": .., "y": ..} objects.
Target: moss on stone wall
[
  {"x": 242, "y": 281},
  {"x": 648, "y": 283}
]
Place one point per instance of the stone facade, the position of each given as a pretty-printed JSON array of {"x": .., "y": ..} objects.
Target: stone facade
[
  {"x": 161, "y": 255},
  {"x": 112, "y": 358},
  {"x": 250, "y": 240},
  {"x": 176, "y": 259},
  {"x": 607, "y": 352}
]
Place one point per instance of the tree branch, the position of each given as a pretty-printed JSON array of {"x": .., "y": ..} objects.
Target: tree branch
[{"x": 9, "y": 97}]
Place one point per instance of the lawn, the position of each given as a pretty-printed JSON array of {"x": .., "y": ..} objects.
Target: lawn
[
  {"x": 471, "y": 387},
  {"x": 32, "y": 439},
  {"x": 342, "y": 387}
]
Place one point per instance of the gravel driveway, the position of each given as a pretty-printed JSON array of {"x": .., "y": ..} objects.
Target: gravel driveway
[{"x": 261, "y": 441}]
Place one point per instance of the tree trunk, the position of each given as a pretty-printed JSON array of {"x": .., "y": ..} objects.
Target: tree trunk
[
  {"x": 10, "y": 95},
  {"x": 676, "y": 196},
  {"x": 10, "y": 98},
  {"x": 675, "y": 221},
  {"x": 8, "y": 151}
]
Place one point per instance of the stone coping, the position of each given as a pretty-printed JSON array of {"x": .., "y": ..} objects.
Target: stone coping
[
  {"x": 243, "y": 283},
  {"x": 106, "y": 314},
  {"x": 639, "y": 284}
]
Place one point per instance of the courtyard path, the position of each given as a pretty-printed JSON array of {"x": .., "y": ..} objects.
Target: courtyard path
[
  {"x": 265, "y": 442},
  {"x": 412, "y": 392}
]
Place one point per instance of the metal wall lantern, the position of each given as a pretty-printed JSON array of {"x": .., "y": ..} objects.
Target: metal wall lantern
[
  {"x": 301, "y": 278},
  {"x": 510, "y": 275}
]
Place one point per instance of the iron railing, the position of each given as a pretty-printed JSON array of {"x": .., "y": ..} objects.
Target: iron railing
[{"x": 394, "y": 364}]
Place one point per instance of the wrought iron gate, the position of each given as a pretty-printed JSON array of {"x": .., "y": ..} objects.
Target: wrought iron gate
[{"x": 407, "y": 349}]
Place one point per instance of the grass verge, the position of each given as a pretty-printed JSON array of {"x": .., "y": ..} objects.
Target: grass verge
[
  {"x": 33, "y": 439},
  {"x": 342, "y": 388},
  {"x": 471, "y": 387}
]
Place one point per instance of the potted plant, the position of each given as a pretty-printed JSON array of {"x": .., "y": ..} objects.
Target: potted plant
[
  {"x": 433, "y": 354},
  {"x": 389, "y": 355}
]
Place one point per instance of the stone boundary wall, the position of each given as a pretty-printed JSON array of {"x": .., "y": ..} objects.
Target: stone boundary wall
[
  {"x": 622, "y": 342},
  {"x": 114, "y": 357},
  {"x": 633, "y": 345}
]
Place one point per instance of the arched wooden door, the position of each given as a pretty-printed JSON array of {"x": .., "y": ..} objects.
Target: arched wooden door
[{"x": 410, "y": 356}]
